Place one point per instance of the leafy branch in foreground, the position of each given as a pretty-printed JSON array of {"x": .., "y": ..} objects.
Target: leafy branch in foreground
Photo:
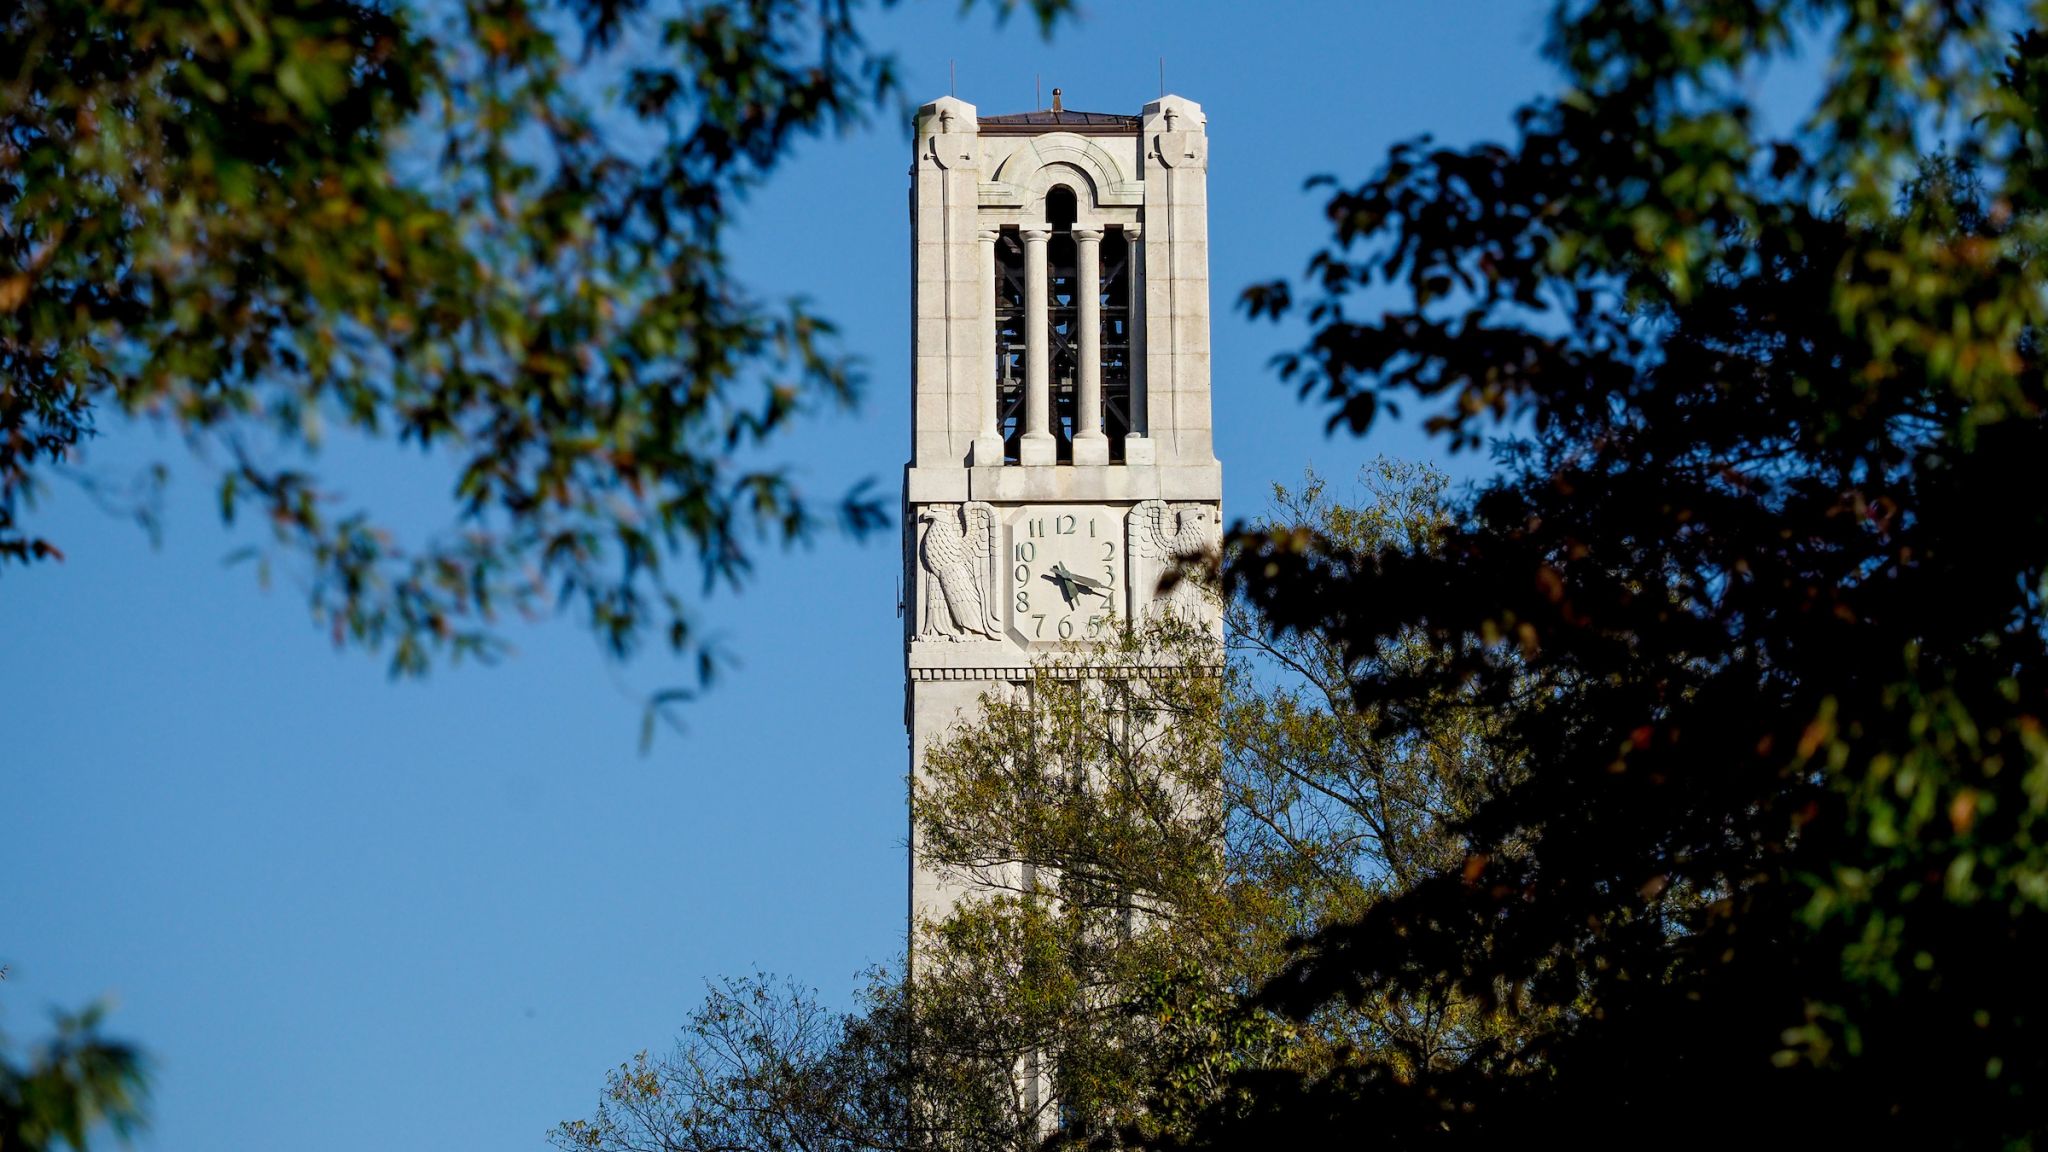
[
  {"x": 494, "y": 231},
  {"x": 71, "y": 1085}
]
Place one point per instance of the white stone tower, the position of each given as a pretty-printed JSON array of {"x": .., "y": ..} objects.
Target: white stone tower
[{"x": 1060, "y": 437}]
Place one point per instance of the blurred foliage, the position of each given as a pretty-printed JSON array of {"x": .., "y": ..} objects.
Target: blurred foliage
[
  {"x": 1773, "y": 863},
  {"x": 1138, "y": 845},
  {"x": 761, "y": 1064},
  {"x": 70, "y": 1086},
  {"x": 494, "y": 230}
]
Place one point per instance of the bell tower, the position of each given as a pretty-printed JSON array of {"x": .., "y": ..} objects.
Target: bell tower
[{"x": 1061, "y": 453}]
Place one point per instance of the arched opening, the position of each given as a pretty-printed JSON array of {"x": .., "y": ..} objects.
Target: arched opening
[{"x": 1062, "y": 208}]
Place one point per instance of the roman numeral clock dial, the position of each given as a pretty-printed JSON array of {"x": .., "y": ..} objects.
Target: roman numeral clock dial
[{"x": 1066, "y": 573}]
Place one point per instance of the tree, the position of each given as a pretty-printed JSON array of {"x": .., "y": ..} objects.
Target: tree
[
  {"x": 493, "y": 230},
  {"x": 1770, "y": 866},
  {"x": 1144, "y": 824},
  {"x": 70, "y": 1086},
  {"x": 760, "y": 1065}
]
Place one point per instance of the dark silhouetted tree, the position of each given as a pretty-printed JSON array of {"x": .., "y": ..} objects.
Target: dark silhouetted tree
[{"x": 1757, "y": 590}]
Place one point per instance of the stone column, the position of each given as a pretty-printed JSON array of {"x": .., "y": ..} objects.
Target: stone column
[
  {"x": 1090, "y": 445},
  {"x": 1037, "y": 446},
  {"x": 988, "y": 438},
  {"x": 1137, "y": 448}
]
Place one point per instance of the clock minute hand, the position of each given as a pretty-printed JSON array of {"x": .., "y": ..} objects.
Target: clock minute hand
[{"x": 1087, "y": 585}]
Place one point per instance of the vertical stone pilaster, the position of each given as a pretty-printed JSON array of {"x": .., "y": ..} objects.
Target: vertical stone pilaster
[
  {"x": 1176, "y": 157},
  {"x": 950, "y": 316}
]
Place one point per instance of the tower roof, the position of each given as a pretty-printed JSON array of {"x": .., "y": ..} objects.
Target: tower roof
[{"x": 1061, "y": 120}]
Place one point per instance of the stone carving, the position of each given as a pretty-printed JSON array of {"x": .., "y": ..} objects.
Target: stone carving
[
  {"x": 1185, "y": 141},
  {"x": 957, "y": 559},
  {"x": 1160, "y": 534}
]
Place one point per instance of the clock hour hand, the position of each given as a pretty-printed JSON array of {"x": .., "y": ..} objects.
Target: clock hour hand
[
  {"x": 1064, "y": 581},
  {"x": 1092, "y": 587}
]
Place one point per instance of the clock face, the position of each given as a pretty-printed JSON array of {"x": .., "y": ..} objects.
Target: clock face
[{"x": 1066, "y": 572}]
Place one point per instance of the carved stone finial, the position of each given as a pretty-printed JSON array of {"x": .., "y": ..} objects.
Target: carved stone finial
[{"x": 1055, "y": 101}]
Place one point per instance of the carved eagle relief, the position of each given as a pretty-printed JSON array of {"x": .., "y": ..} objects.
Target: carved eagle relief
[
  {"x": 957, "y": 555},
  {"x": 1160, "y": 535}
]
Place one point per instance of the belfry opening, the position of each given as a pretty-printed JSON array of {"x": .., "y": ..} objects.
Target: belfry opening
[{"x": 1086, "y": 331}]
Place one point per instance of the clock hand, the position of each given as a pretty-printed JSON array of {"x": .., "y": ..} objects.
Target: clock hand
[
  {"x": 1088, "y": 585},
  {"x": 1063, "y": 580},
  {"x": 1081, "y": 583}
]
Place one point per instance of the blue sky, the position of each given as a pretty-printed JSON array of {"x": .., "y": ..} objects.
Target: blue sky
[{"x": 343, "y": 912}]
